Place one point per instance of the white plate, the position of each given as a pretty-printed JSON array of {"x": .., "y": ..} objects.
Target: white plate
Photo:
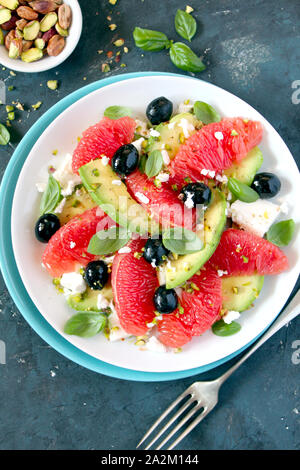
[{"x": 62, "y": 135}]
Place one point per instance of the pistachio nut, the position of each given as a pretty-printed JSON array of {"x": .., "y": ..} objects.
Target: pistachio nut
[
  {"x": 1, "y": 37},
  {"x": 64, "y": 16},
  {"x": 5, "y": 15},
  {"x": 27, "y": 13},
  {"x": 55, "y": 45},
  {"x": 61, "y": 32},
  {"x": 20, "y": 24},
  {"x": 11, "y": 4},
  {"x": 48, "y": 34},
  {"x": 39, "y": 43},
  {"x": 31, "y": 30},
  {"x": 44, "y": 6},
  {"x": 8, "y": 38},
  {"x": 27, "y": 45},
  {"x": 31, "y": 55},
  {"x": 15, "y": 48},
  {"x": 48, "y": 21}
]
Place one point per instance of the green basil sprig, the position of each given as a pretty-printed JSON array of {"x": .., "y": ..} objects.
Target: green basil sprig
[
  {"x": 280, "y": 234},
  {"x": 220, "y": 328},
  {"x": 86, "y": 324},
  {"x": 154, "y": 163},
  {"x": 4, "y": 135},
  {"x": 181, "y": 241},
  {"x": 206, "y": 113},
  {"x": 185, "y": 59},
  {"x": 185, "y": 25},
  {"x": 150, "y": 40},
  {"x": 116, "y": 112},
  {"x": 242, "y": 191},
  {"x": 108, "y": 241},
  {"x": 51, "y": 196}
]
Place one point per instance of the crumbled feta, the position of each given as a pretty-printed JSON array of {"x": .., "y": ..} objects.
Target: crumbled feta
[
  {"x": 230, "y": 316},
  {"x": 222, "y": 178},
  {"x": 184, "y": 108},
  {"x": 199, "y": 227},
  {"x": 104, "y": 160},
  {"x": 256, "y": 217},
  {"x": 170, "y": 267},
  {"x": 219, "y": 135},
  {"x": 186, "y": 127},
  {"x": 41, "y": 187},
  {"x": 162, "y": 177},
  {"x": 138, "y": 144},
  {"x": 141, "y": 127},
  {"x": 116, "y": 331},
  {"x": 59, "y": 208},
  {"x": 73, "y": 283},
  {"x": 171, "y": 125},
  {"x": 109, "y": 259},
  {"x": 154, "y": 133},
  {"x": 189, "y": 203},
  {"x": 154, "y": 345},
  {"x": 221, "y": 273},
  {"x": 125, "y": 249},
  {"x": 72, "y": 245},
  {"x": 102, "y": 302},
  {"x": 65, "y": 176},
  {"x": 116, "y": 182},
  {"x": 284, "y": 208},
  {"x": 204, "y": 172},
  {"x": 165, "y": 156},
  {"x": 229, "y": 196},
  {"x": 211, "y": 173},
  {"x": 142, "y": 198},
  {"x": 161, "y": 274}
]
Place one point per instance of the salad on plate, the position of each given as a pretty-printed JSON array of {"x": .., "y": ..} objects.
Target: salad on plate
[{"x": 160, "y": 228}]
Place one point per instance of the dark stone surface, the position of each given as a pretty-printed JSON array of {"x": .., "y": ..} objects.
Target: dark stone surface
[{"x": 252, "y": 49}]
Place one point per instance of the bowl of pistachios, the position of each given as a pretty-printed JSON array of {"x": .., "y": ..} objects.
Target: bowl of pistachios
[{"x": 37, "y": 35}]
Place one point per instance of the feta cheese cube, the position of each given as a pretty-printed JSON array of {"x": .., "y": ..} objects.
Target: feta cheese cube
[
  {"x": 138, "y": 144},
  {"x": 73, "y": 283},
  {"x": 154, "y": 345},
  {"x": 65, "y": 176},
  {"x": 256, "y": 217},
  {"x": 230, "y": 316}
]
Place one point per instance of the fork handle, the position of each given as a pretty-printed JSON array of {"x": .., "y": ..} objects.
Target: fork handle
[{"x": 287, "y": 314}]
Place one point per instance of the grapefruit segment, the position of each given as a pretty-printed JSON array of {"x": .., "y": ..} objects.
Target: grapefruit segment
[
  {"x": 172, "y": 332},
  {"x": 215, "y": 147},
  {"x": 104, "y": 138},
  {"x": 133, "y": 283},
  {"x": 243, "y": 253},
  {"x": 68, "y": 246},
  {"x": 163, "y": 203}
]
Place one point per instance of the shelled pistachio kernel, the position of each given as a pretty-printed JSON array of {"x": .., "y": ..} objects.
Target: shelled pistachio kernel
[
  {"x": 31, "y": 30},
  {"x": 52, "y": 84},
  {"x": 48, "y": 21},
  {"x": 32, "y": 54},
  {"x": 62, "y": 32},
  {"x": 39, "y": 43}
]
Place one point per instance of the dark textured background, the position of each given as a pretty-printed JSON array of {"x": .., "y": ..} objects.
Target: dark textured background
[{"x": 47, "y": 402}]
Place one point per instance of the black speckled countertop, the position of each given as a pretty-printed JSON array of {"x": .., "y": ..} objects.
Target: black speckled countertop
[{"x": 251, "y": 48}]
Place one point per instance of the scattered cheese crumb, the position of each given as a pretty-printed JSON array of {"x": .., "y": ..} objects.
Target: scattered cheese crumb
[
  {"x": 142, "y": 198},
  {"x": 230, "y": 316},
  {"x": 221, "y": 273},
  {"x": 73, "y": 283},
  {"x": 104, "y": 160},
  {"x": 125, "y": 249},
  {"x": 165, "y": 156},
  {"x": 116, "y": 182},
  {"x": 219, "y": 135}
]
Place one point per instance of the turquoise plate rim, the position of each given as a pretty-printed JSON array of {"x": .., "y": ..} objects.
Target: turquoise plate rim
[{"x": 10, "y": 271}]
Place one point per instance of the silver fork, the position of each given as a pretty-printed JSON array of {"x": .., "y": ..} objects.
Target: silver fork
[{"x": 204, "y": 395}]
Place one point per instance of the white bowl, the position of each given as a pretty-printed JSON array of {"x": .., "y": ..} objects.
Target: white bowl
[
  {"x": 62, "y": 135},
  {"x": 48, "y": 62}
]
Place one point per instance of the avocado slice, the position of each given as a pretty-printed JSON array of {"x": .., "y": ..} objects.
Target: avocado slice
[
  {"x": 239, "y": 292},
  {"x": 171, "y": 134},
  {"x": 247, "y": 168},
  {"x": 110, "y": 193},
  {"x": 178, "y": 271},
  {"x": 76, "y": 204},
  {"x": 88, "y": 300}
]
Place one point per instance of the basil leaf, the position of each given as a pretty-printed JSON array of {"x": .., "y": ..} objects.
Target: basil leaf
[
  {"x": 220, "y": 328},
  {"x": 242, "y": 191},
  {"x": 181, "y": 241},
  {"x": 185, "y": 59},
  {"x": 51, "y": 196},
  {"x": 149, "y": 40},
  {"x": 185, "y": 25},
  {"x": 4, "y": 135},
  {"x": 86, "y": 324},
  {"x": 206, "y": 113},
  {"x": 280, "y": 234},
  {"x": 108, "y": 241},
  {"x": 116, "y": 112},
  {"x": 154, "y": 163}
]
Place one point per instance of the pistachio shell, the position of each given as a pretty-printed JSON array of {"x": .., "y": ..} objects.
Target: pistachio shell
[
  {"x": 31, "y": 30},
  {"x": 32, "y": 55},
  {"x": 48, "y": 21}
]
